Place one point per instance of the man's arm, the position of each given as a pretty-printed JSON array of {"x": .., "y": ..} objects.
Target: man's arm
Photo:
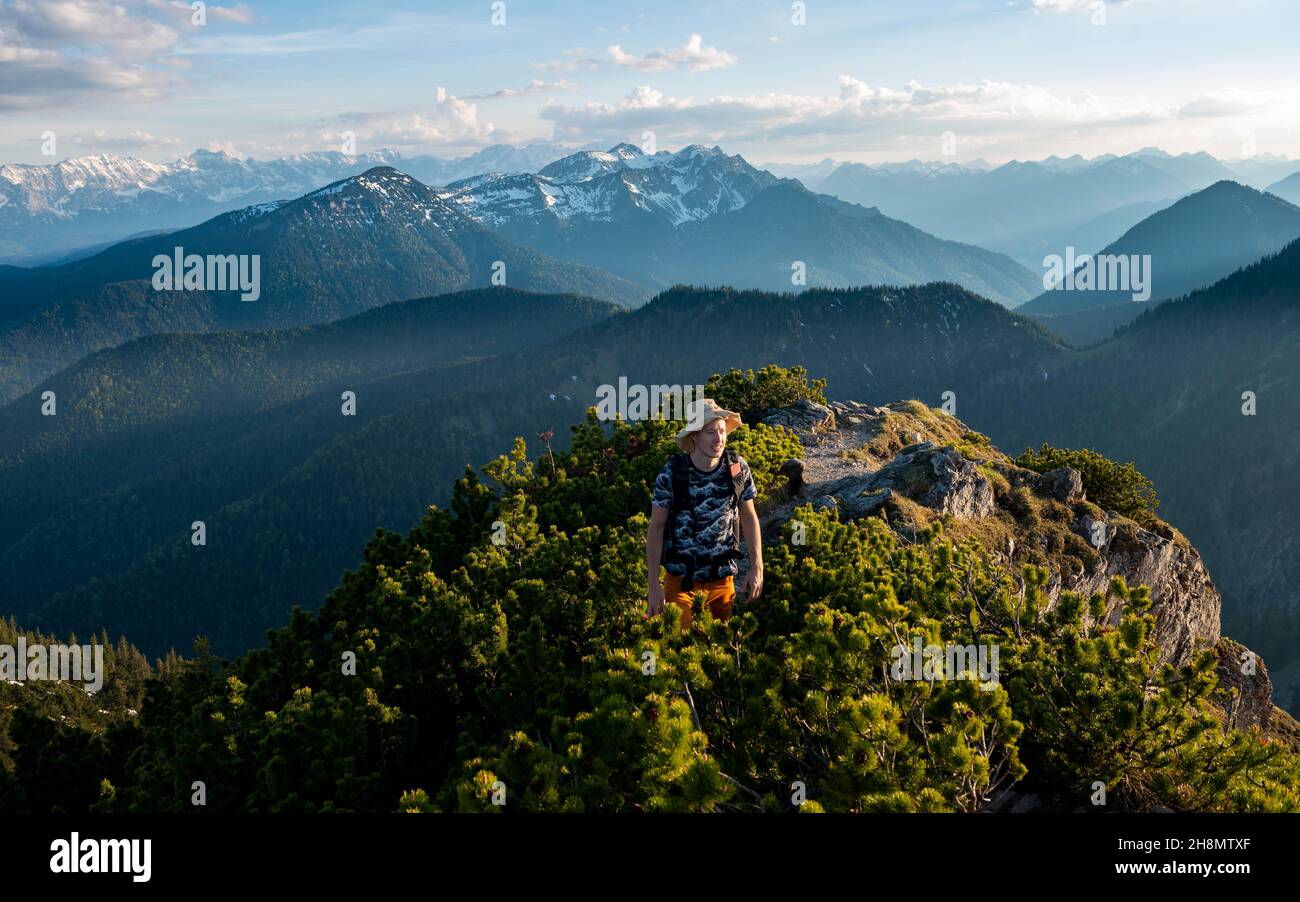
[
  {"x": 654, "y": 546},
  {"x": 754, "y": 543}
]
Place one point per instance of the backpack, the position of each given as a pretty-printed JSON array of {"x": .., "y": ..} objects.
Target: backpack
[{"x": 680, "y": 467}]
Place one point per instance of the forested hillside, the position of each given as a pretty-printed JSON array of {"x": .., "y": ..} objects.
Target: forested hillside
[
  {"x": 498, "y": 652},
  {"x": 367, "y": 241},
  {"x": 288, "y": 487},
  {"x": 164, "y": 432}
]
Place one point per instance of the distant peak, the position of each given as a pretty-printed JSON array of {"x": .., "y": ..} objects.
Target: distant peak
[
  {"x": 1223, "y": 191},
  {"x": 374, "y": 178},
  {"x": 787, "y": 187},
  {"x": 1228, "y": 186},
  {"x": 384, "y": 175}
]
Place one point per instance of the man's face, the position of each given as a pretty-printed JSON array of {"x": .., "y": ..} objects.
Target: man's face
[{"x": 712, "y": 438}]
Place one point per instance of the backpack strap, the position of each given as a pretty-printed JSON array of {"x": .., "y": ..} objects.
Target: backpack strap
[
  {"x": 737, "y": 474},
  {"x": 679, "y": 468},
  {"x": 737, "y": 489}
]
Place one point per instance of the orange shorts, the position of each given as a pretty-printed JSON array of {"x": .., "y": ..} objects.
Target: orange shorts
[{"x": 720, "y": 595}]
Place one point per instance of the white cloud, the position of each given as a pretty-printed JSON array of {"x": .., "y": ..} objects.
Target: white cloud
[
  {"x": 58, "y": 24},
  {"x": 536, "y": 86},
  {"x": 1230, "y": 103},
  {"x": 863, "y": 116},
  {"x": 102, "y": 140},
  {"x": 452, "y": 123},
  {"x": 692, "y": 55},
  {"x": 183, "y": 13},
  {"x": 856, "y": 105},
  {"x": 238, "y": 13},
  {"x": 577, "y": 58},
  {"x": 225, "y": 147},
  {"x": 48, "y": 80},
  {"x": 59, "y": 52}
]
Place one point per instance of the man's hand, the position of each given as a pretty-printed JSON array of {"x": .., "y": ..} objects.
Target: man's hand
[
  {"x": 753, "y": 586},
  {"x": 656, "y": 598}
]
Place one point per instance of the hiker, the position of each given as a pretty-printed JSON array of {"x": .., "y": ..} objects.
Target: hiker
[{"x": 703, "y": 498}]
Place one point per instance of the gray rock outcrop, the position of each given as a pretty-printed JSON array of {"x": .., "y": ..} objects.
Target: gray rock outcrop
[{"x": 864, "y": 461}]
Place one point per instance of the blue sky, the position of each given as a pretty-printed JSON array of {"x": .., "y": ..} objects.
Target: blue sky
[{"x": 869, "y": 81}]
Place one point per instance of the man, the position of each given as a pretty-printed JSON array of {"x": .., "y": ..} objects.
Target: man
[{"x": 702, "y": 497}]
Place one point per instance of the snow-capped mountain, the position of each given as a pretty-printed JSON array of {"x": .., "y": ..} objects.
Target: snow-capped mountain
[
  {"x": 360, "y": 202},
  {"x": 46, "y": 211},
  {"x": 589, "y": 163},
  {"x": 103, "y": 183},
  {"x": 650, "y": 217},
  {"x": 494, "y": 158},
  {"x": 621, "y": 185},
  {"x": 928, "y": 169},
  {"x": 362, "y": 242}
]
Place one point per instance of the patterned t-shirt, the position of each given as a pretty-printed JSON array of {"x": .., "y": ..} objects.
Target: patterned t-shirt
[{"x": 704, "y": 528}]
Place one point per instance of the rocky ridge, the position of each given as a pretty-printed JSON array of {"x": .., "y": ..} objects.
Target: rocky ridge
[{"x": 912, "y": 465}]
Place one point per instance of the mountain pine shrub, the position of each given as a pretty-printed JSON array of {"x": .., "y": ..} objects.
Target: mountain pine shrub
[
  {"x": 751, "y": 394},
  {"x": 1110, "y": 485},
  {"x": 498, "y": 658}
]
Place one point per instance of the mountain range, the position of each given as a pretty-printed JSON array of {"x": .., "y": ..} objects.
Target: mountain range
[
  {"x": 245, "y": 431},
  {"x": 1287, "y": 188},
  {"x": 194, "y": 405},
  {"x": 49, "y": 211},
  {"x": 1189, "y": 245},
  {"x": 1028, "y": 209},
  {"x": 614, "y": 225},
  {"x": 362, "y": 242},
  {"x": 700, "y": 216}
]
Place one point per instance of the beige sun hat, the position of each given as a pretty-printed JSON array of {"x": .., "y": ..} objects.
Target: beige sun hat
[{"x": 700, "y": 414}]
